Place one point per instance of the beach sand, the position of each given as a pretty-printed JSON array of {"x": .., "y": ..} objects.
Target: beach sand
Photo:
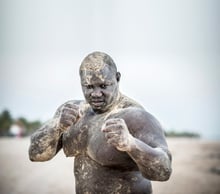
[{"x": 194, "y": 164}]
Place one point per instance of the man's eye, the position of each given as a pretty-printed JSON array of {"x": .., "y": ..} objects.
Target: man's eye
[
  {"x": 103, "y": 86},
  {"x": 89, "y": 86}
]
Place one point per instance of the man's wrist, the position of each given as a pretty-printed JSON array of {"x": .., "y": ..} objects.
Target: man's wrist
[{"x": 130, "y": 144}]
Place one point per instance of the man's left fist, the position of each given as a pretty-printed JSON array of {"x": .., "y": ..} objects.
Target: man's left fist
[{"x": 117, "y": 134}]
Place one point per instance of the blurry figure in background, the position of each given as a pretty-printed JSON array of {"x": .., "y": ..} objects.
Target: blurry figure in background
[
  {"x": 117, "y": 145},
  {"x": 17, "y": 129}
]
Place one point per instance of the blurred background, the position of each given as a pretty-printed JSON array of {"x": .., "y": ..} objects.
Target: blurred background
[{"x": 168, "y": 53}]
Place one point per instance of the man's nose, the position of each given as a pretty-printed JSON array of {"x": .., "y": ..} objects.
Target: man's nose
[{"x": 96, "y": 93}]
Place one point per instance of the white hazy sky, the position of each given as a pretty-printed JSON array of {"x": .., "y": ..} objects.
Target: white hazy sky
[{"x": 168, "y": 52}]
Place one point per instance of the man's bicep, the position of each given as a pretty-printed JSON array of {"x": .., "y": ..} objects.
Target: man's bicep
[
  {"x": 151, "y": 132},
  {"x": 147, "y": 128}
]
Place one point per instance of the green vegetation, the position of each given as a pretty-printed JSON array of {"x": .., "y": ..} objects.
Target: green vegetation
[
  {"x": 174, "y": 133},
  {"x": 6, "y": 121},
  {"x": 30, "y": 126}
]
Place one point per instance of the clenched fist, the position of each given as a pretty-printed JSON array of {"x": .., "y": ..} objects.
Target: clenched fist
[
  {"x": 117, "y": 134},
  {"x": 68, "y": 115}
]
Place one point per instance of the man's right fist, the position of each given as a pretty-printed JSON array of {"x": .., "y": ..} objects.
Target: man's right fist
[{"x": 68, "y": 115}]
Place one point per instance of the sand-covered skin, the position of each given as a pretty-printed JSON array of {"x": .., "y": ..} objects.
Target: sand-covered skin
[{"x": 193, "y": 160}]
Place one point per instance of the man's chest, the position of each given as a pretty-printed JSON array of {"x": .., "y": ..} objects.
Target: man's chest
[
  {"x": 99, "y": 149},
  {"x": 87, "y": 138}
]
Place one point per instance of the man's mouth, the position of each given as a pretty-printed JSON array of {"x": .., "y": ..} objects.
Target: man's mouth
[{"x": 97, "y": 102}]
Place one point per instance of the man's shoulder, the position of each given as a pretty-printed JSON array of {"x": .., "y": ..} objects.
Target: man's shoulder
[
  {"x": 77, "y": 102},
  {"x": 136, "y": 115},
  {"x": 137, "y": 112},
  {"x": 128, "y": 109},
  {"x": 127, "y": 102}
]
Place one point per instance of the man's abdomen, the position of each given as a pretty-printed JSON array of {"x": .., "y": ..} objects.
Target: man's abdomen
[{"x": 92, "y": 178}]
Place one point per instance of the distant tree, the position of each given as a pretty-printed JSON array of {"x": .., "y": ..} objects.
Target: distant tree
[
  {"x": 24, "y": 122},
  {"x": 174, "y": 133},
  {"x": 30, "y": 126},
  {"x": 5, "y": 122}
]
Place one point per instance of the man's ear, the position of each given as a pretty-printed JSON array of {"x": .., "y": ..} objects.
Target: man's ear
[{"x": 118, "y": 76}]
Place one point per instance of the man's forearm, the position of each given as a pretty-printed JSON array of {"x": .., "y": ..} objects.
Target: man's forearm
[
  {"x": 154, "y": 163},
  {"x": 45, "y": 142}
]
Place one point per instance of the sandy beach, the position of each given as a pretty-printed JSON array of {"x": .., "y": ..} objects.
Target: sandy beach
[{"x": 196, "y": 166}]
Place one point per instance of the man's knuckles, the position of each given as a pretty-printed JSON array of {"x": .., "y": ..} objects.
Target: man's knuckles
[
  {"x": 112, "y": 128},
  {"x": 70, "y": 111},
  {"x": 113, "y": 134}
]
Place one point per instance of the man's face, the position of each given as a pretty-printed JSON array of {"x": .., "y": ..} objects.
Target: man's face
[{"x": 100, "y": 88}]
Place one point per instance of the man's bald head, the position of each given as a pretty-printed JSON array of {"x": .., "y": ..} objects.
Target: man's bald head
[
  {"x": 99, "y": 81},
  {"x": 96, "y": 61}
]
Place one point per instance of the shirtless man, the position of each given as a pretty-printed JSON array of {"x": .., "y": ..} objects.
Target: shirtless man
[{"x": 118, "y": 147}]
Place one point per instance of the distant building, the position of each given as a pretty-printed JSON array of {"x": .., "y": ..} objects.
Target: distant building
[{"x": 17, "y": 129}]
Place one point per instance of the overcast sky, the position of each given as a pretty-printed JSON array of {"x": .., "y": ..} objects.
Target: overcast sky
[{"x": 168, "y": 53}]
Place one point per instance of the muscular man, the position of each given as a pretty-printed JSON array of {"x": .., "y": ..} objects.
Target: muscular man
[{"x": 118, "y": 147}]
